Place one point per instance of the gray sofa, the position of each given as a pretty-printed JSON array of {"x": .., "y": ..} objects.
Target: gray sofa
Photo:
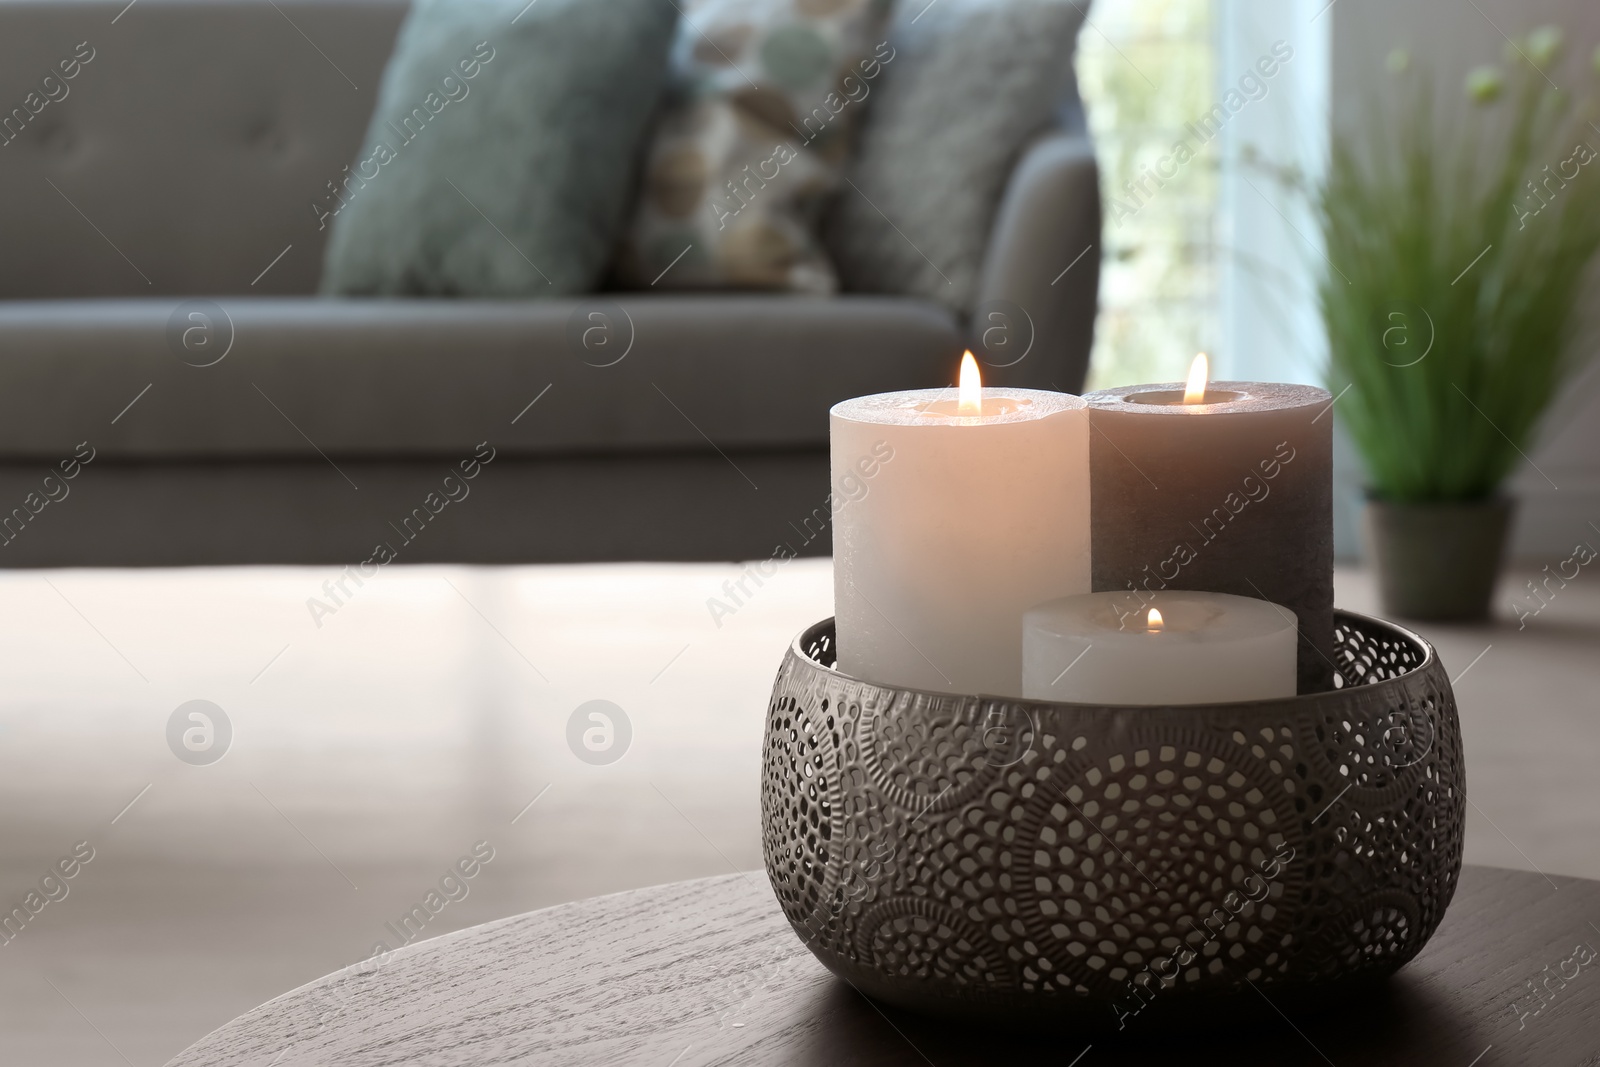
[{"x": 179, "y": 164}]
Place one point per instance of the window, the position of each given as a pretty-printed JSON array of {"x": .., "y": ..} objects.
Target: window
[
  {"x": 1147, "y": 69},
  {"x": 1202, "y": 249}
]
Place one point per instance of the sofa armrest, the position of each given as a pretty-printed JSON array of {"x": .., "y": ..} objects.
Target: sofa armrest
[{"x": 1041, "y": 275}]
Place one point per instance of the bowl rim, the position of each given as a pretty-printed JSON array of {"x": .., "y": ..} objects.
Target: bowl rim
[{"x": 1430, "y": 659}]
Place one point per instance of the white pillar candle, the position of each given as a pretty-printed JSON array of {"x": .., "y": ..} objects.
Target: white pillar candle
[
  {"x": 1173, "y": 648},
  {"x": 954, "y": 517}
]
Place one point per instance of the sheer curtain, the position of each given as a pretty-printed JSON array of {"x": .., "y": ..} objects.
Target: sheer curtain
[{"x": 1274, "y": 56}]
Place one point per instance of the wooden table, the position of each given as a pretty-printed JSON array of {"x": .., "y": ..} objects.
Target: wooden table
[{"x": 708, "y": 972}]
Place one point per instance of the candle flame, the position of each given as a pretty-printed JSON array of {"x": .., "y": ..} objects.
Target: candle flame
[
  {"x": 1153, "y": 621},
  {"x": 971, "y": 384},
  {"x": 1199, "y": 374}
]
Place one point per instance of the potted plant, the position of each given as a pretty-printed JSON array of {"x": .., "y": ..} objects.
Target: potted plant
[{"x": 1458, "y": 252}]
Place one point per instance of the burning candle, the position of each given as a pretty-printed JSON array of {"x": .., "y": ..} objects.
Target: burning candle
[
  {"x": 977, "y": 509},
  {"x": 1219, "y": 486},
  {"x": 1178, "y": 648}
]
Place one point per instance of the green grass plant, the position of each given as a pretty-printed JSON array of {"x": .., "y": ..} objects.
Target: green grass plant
[{"x": 1458, "y": 253}]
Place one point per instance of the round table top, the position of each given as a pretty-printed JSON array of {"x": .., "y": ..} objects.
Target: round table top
[{"x": 709, "y": 972}]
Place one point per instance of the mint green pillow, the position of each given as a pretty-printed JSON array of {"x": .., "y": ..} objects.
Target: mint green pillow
[{"x": 501, "y": 156}]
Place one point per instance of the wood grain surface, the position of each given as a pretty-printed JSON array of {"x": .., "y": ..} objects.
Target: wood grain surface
[{"x": 708, "y": 972}]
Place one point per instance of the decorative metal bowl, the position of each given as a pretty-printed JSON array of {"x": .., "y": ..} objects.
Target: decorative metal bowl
[{"x": 1012, "y": 859}]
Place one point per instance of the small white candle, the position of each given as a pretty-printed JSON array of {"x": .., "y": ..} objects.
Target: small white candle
[
  {"x": 1173, "y": 648},
  {"x": 954, "y": 515}
]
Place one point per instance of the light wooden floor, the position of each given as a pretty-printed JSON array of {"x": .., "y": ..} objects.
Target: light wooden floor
[{"x": 427, "y": 712}]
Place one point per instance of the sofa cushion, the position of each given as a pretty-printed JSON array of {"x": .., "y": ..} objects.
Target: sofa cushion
[
  {"x": 931, "y": 167},
  {"x": 500, "y": 158},
  {"x": 751, "y": 144},
  {"x": 187, "y": 153},
  {"x": 275, "y": 378}
]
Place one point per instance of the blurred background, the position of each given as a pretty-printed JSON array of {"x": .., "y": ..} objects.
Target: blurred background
[{"x": 252, "y": 440}]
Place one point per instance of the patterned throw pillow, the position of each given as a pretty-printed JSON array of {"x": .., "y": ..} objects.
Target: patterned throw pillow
[
  {"x": 974, "y": 82},
  {"x": 752, "y": 143}
]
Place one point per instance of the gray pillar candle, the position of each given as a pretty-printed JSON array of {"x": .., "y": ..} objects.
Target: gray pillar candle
[{"x": 1231, "y": 494}]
